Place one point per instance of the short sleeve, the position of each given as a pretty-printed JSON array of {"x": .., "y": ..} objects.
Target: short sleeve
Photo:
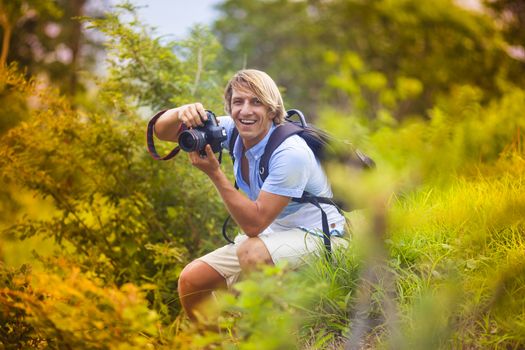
[{"x": 289, "y": 169}]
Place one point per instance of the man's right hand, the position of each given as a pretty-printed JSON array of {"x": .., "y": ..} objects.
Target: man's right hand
[
  {"x": 192, "y": 115},
  {"x": 168, "y": 125}
]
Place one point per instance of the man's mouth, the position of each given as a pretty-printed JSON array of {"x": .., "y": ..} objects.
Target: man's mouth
[{"x": 247, "y": 121}]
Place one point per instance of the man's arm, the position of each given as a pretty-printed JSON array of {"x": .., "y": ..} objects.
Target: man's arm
[
  {"x": 168, "y": 125},
  {"x": 252, "y": 216}
]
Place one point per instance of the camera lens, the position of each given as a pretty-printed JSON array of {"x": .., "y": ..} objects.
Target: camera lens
[{"x": 192, "y": 140}]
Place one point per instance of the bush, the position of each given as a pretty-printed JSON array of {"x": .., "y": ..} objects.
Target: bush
[{"x": 68, "y": 310}]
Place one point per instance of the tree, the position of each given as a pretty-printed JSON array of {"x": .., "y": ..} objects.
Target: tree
[
  {"x": 439, "y": 45},
  {"x": 281, "y": 37},
  {"x": 45, "y": 37},
  {"x": 511, "y": 15}
]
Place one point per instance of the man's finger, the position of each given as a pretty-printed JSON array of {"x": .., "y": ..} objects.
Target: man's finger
[
  {"x": 201, "y": 111},
  {"x": 196, "y": 117},
  {"x": 190, "y": 120},
  {"x": 192, "y": 156},
  {"x": 209, "y": 151}
]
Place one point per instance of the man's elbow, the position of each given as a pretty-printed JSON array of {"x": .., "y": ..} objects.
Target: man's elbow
[
  {"x": 253, "y": 230},
  {"x": 257, "y": 222}
]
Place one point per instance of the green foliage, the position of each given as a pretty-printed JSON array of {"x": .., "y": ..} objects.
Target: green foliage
[
  {"x": 461, "y": 134},
  {"x": 454, "y": 189},
  {"x": 265, "y": 306},
  {"x": 13, "y": 99},
  {"x": 457, "y": 248},
  {"x": 401, "y": 55},
  {"x": 14, "y": 111},
  {"x": 370, "y": 93},
  {"x": 146, "y": 72}
]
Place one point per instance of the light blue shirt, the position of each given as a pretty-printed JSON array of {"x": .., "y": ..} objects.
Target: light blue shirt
[{"x": 292, "y": 169}]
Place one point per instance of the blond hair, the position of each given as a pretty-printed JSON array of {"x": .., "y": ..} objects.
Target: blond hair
[{"x": 264, "y": 88}]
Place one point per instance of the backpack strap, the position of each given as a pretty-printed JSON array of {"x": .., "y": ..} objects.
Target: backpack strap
[
  {"x": 231, "y": 144},
  {"x": 281, "y": 133},
  {"x": 307, "y": 197}
]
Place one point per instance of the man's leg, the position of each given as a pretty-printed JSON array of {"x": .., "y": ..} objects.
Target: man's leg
[
  {"x": 252, "y": 253},
  {"x": 294, "y": 246},
  {"x": 196, "y": 282}
]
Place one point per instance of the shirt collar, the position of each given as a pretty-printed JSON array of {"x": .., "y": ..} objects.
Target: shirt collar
[{"x": 258, "y": 149}]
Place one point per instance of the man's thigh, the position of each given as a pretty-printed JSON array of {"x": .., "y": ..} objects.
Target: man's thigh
[
  {"x": 224, "y": 260},
  {"x": 296, "y": 245},
  {"x": 293, "y": 246}
]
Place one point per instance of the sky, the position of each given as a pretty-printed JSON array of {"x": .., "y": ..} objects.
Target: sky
[{"x": 175, "y": 17}]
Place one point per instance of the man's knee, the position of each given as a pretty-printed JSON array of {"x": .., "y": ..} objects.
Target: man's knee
[
  {"x": 252, "y": 253},
  {"x": 198, "y": 276},
  {"x": 187, "y": 280}
]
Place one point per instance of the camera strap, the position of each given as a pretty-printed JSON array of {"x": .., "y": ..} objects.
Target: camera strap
[{"x": 151, "y": 144}]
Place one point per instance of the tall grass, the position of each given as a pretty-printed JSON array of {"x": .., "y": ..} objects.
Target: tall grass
[{"x": 462, "y": 249}]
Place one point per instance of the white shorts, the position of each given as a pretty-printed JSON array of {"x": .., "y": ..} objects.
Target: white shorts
[{"x": 294, "y": 246}]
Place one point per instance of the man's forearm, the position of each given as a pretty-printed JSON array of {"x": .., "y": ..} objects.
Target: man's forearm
[
  {"x": 252, "y": 216},
  {"x": 167, "y": 126},
  {"x": 243, "y": 210}
]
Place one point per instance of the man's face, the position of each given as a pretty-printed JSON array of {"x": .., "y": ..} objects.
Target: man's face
[{"x": 251, "y": 116}]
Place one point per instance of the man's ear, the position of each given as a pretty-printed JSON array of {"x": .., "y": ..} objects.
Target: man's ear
[{"x": 271, "y": 113}]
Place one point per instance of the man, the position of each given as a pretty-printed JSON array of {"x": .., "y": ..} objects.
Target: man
[{"x": 274, "y": 228}]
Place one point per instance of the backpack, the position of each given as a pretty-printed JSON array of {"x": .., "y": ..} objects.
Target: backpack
[{"x": 320, "y": 143}]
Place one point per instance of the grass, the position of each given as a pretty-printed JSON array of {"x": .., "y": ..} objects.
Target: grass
[{"x": 456, "y": 254}]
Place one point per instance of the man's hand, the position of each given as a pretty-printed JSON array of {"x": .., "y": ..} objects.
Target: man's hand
[
  {"x": 192, "y": 115},
  {"x": 208, "y": 163},
  {"x": 168, "y": 125}
]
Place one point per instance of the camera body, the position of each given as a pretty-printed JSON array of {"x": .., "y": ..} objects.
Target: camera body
[{"x": 191, "y": 140}]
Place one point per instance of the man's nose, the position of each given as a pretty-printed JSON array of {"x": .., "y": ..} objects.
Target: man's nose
[{"x": 246, "y": 108}]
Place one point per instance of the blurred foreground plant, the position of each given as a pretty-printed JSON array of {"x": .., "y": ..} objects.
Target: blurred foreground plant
[{"x": 66, "y": 309}]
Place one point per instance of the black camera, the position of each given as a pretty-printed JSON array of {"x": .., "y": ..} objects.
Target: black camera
[{"x": 196, "y": 139}]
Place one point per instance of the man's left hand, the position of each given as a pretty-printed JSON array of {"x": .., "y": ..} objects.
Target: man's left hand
[{"x": 208, "y": 163}]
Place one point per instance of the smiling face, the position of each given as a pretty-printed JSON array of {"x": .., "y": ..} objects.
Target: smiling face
[
  {"x": 253, "y": 100},
  {"x": 252, "y": 118}
]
